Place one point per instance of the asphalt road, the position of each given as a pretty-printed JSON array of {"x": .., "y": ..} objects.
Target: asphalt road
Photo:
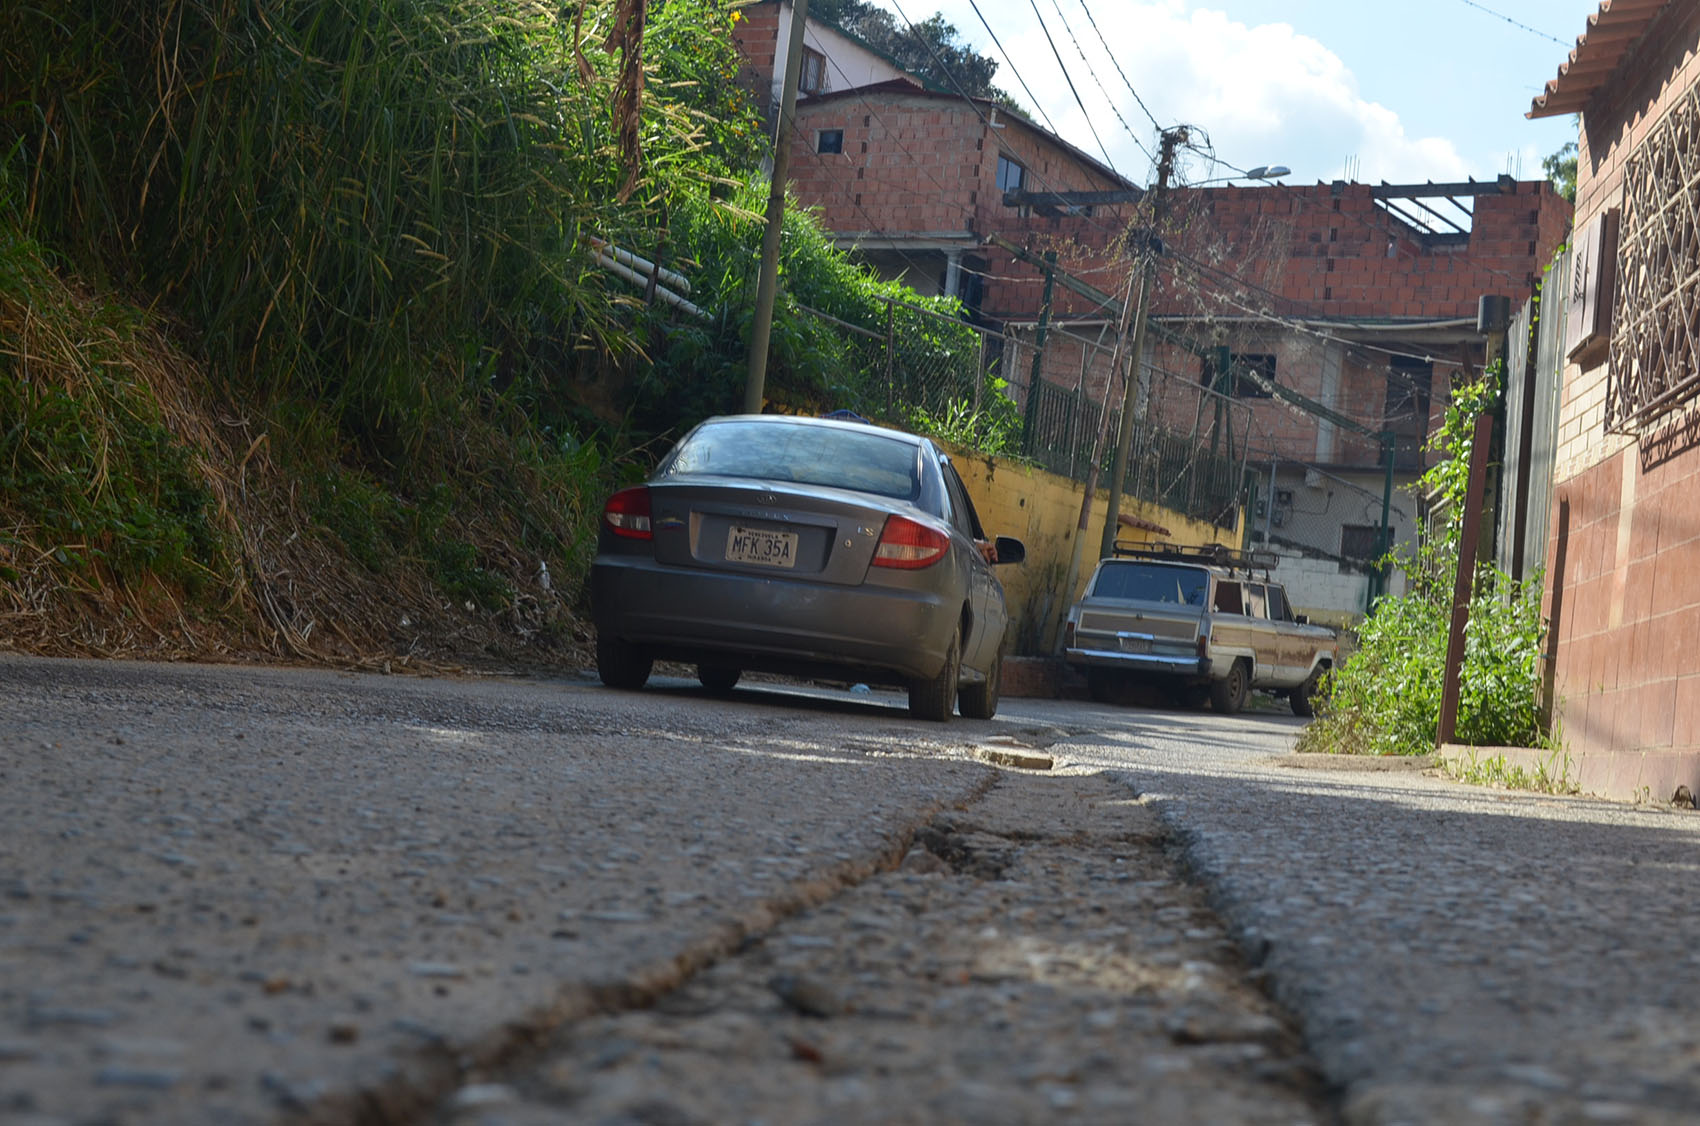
[{"x": 251, "y": 895}]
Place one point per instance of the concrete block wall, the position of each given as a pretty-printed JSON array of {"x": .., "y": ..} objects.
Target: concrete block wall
[
  {"x": 1042, "y": 510},
  {"x": 1625, "y": 613},
  {"x": 1623, "y": 564}
]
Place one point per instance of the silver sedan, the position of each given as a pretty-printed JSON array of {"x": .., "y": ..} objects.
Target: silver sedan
[{"x": 809, "y": 547}]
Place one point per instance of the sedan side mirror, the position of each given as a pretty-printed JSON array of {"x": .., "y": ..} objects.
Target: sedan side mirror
[
  {"x": 1011, "y": 550},
  {"x": 1302, "y": 619}
]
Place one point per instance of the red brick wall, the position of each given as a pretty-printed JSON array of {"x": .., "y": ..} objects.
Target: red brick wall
[
  {"x": 924, "y": 164},
  {"x": 757, "y": 37}
]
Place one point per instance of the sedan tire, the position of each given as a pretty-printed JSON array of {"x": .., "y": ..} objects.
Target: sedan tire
[
  {"x": 621, "y": 664},
  {"x": 980, "y": 701},
  {"x": 719, "y": 679},
  {"x": 935, "y": 699}
]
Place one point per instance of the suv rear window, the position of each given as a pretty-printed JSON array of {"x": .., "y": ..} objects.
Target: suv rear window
[
  {"x": 1152, "y": 582},
  {"x": 812, "y": 455}
]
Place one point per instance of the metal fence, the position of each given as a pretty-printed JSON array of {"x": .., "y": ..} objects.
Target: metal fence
[{"x": 1017, "y": 393}]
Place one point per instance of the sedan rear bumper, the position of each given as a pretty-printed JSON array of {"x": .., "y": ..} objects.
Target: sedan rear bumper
[{"x": 771, "y": 622}]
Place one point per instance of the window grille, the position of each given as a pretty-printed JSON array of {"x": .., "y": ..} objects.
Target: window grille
[{"x": 1655, "y": 343}]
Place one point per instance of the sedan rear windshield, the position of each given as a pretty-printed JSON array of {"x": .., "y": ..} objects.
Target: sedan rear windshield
[
  {"x": 1152, "y": 582},
  {"x": 811, "y": 455}
]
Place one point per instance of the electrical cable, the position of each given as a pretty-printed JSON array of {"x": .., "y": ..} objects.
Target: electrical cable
[
  {"x": 1514, "y": 23},
  {"x": 1066, "y": 78},
  {"x": 1111, "y": 102},
  {"x": 1158, "y": 125},
  {"x": 1007, "y": 58}
]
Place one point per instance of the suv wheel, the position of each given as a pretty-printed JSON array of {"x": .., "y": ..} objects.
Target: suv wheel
[
  {"x": 1228, "y": 695},
  {"x": 1303, "y": 698}
]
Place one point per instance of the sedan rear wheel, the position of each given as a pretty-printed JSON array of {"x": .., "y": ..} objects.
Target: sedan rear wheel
[
  {"x": 621, "y": 664},
  {"x": 980, "y": 701},
  {"x": 719, "y": 679},
  {"x": 935, "y": 699}
]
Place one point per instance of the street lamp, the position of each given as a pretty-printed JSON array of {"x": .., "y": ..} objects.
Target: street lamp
[{"x": 1267, "y": 172}]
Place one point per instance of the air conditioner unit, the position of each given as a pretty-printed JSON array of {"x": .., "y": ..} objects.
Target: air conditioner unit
[{"x": 1587, "y": 296}]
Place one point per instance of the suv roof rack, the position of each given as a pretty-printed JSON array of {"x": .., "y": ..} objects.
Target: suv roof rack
[{"x": 1212, "y": 554}]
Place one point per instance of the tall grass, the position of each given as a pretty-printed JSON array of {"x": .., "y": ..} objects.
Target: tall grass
[{"x": 378, "y": 204}]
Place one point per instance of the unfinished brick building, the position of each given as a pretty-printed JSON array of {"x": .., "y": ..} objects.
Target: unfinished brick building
[{"x": 1344, "y": 294}]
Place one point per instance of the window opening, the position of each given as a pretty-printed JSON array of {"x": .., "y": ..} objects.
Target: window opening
[
  {"x": 1010, "y": 175},
  {"x": 811, "y": 79},
  {"x": 1357, "y": 547},
  {"x": 829, "y": 141}
]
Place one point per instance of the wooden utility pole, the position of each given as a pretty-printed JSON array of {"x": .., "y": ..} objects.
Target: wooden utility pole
[
  {"x": 1464, "y": 584},
  {"x": 1148, "y": 274},
  {"x": 767, "y": 281}
]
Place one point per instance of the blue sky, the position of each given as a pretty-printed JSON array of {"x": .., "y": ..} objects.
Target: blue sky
[{"x": 1390, "y": 89}]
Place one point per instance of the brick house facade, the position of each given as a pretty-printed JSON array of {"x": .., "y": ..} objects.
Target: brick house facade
[{"x": 1623, "y": 566}]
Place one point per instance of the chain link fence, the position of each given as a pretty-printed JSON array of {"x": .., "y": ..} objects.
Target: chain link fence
[{"x": 1041, "y": 396}]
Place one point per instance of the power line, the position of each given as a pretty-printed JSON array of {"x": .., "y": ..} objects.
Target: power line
[
  {"x": 1008, "y": 58},
  {"x": 1111, "y": 102},
  {"x": 1514, "y": 23},
  {"x": 1158, "y": 125},
  {"x": 1066, "y": 78}
]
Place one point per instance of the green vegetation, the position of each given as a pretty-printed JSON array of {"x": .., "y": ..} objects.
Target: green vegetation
[
  {"x": 930, "y": 49},
  {"x": 1549, "y": 775},
  {"x": 303, "y": 340},
  {"x": 1560, "y": 168},
  {"x": 1386, "y": 698},
  {"x": 90, "y": 477}
]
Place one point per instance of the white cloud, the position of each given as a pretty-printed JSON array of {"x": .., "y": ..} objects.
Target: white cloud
[{"x": 1266, "y": 94}]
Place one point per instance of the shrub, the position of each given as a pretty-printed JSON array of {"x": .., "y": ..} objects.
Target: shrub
[{"x": 1385, "y": 699}]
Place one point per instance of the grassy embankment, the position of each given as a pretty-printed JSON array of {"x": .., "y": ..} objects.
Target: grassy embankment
[{"x": 303, "y": 349}]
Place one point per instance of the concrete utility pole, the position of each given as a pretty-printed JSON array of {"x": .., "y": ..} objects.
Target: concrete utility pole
[
  {"x": 1124, "y": 435},
  {"x": 1091, "y": 490},
  {"x": 767, "y": 281}
]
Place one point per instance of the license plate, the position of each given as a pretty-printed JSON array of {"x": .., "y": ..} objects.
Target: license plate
[
  {"x": 761, "y": 547},
  {"x": 1136, "y": 644}
]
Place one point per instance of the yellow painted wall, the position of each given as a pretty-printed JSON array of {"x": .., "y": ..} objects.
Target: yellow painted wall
[{"x": 1042, "y": 510}]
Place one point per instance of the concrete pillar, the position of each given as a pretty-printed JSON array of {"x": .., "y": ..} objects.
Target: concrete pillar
[{"x": 953, "y": 273}]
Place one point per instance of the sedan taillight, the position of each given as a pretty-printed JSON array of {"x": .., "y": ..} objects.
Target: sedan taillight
[
  {"x": 909, "y": 544},
  {"x": 627, "y": 513}
]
